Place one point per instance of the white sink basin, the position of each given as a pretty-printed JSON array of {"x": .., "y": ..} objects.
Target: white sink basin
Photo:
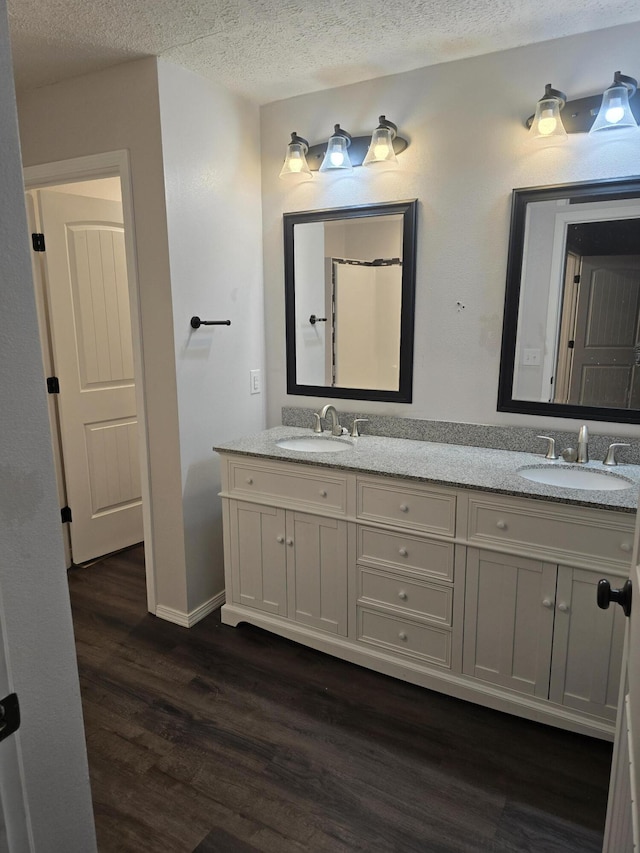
[
  {"x": 313, "y": 444},
  {"x": 576, "y": 478}
]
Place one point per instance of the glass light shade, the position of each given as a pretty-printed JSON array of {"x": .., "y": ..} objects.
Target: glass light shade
[
  {"x": 295, "y": 167},
  {"x": 615, "y": 112},
  {"x": 337, "y": 155},
  {"x": 381, "y": 153},
  {"x": 547, "y": 122}
]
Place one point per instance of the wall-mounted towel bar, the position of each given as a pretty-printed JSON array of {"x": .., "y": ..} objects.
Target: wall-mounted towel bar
[{"x": 196, "y": 322}]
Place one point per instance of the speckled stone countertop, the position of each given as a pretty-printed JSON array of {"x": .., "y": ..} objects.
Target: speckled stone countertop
[{"x": 443, "y": 464}]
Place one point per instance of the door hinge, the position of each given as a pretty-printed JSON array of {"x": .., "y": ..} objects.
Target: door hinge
[
  {"x": 9, "y": 715},
  {"x": 53, "y": 385},
  {"x": 37, "y": 241},
  {"x": 65, "y": 514},
  {"x": 571, "y": 344}
]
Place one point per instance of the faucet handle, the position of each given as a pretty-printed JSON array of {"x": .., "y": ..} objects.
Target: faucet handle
[
  {"x": 354, "y": 428},
  {"x": 610, "y": 458},
  {"x": 551, "y": 446},
  {"x": 317, "y": 425}
]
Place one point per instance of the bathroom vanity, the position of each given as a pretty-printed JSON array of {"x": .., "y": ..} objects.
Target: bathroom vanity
[{"x": 434, "y": 563}]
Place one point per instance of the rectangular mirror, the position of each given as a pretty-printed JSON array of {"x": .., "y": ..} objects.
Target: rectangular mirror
[
  {"x": 350, "y": 295},
  {"x": 571, "y": 333}
]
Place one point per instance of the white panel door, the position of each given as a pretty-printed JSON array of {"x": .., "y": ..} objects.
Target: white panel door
[{"x": 90, "y": 323}]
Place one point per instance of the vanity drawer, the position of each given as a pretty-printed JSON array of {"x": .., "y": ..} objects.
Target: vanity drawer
[
  {"x": 424, "y": 642},
  {"x": 302, "y": 488},
  {"x": 395, "y": 503},
  {"x": 417, "y": 598},
  {"x": 398, "y": 550},
  {"x": 566, "y": 533}
]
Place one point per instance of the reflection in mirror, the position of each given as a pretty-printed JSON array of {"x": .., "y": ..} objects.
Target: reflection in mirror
[
  {"x": 571, "y": 337},
  {"x": 350, "y": 293}
]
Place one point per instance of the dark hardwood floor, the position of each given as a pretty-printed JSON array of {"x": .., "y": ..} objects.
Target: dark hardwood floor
[{"x": 231, "y": 739}]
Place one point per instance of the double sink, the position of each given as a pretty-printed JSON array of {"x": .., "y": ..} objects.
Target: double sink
[{"x": 559, "y": 475}]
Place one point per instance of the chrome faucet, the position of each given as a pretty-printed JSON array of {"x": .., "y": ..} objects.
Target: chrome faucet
[
  {"x": 329, "y": 411},
  {"x": 583, "y": 444}
]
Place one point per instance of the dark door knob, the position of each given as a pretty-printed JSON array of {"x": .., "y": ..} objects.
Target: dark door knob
[{"x": 621, "y": 596}]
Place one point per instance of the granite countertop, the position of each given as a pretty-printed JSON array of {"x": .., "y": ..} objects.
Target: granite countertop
[{"x": 443, "y": 464}]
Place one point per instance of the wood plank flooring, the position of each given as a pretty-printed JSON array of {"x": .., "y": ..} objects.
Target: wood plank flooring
[{"x": 233, "y": 740}]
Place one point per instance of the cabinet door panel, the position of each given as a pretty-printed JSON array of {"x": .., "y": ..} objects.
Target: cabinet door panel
[
  {"x": 317, "y": 571},
  {"x": 258, "y": 557},
  {"x": 587, "y": 646},
  {"x": 509, "y": 621}
]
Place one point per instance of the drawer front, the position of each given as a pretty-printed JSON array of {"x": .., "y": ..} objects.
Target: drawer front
[
  {"x": 566, "y": 533},
  {"x": 415, "y": 598},
  {"x": 397, "y": 550},
  {"x": 420, "y": 509},
  {"x": 423, "y": 642},
  {"x": 300, "y": 489}
]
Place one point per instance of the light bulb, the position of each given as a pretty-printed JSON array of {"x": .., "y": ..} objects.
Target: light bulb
[
  {"x": 337, "y": 158},
  {"x": 547, "y": 123},
  {"x": 615, "y": 111},
  {"x": 381, "y": 151}
]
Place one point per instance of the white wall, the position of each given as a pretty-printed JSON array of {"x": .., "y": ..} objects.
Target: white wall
[
  {"x": 35, "y": 615},
  {"x": 107, "y": 111},
  {"x": 211, "y": 153},
  {"x": 468, "y": 150}
]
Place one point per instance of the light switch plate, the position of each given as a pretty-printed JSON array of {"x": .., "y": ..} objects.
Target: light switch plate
[{"x": 255, "y": 382}]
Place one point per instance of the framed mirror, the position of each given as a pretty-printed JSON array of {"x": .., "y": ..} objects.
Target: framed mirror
[
  {"x": 349, "y": 301},
  {"x": 571, "y": 333}
]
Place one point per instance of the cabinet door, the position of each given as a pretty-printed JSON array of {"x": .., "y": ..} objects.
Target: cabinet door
[
  {"x": 587, "y": 645},
  {"x": 317, "y": 571},
  {"x": 258, "y": 558},
  {"x": 509, "y": 607}
]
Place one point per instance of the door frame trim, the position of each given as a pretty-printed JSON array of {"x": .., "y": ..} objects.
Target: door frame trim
[{"x": 107, "y": 165}]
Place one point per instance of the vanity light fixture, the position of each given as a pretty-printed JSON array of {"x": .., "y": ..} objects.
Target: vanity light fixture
[
  {"x": 615, "y": 112},
  {"x": 342, "y": 152},
  {"x": 617, "y": 108},
  {"x": 295, "y": 165},
  {"x": 547, "y": 122},
  {"x": 337, "y": 154}
]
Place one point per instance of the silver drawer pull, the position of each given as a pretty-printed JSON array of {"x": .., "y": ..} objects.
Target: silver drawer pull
[
  {"x": 280, "y": 539},
  {"x": 289, "y": 541},
  {"x": 249, "y": 480},
  {"x": 546, "y": 602},
  {"x": 501, "y": 525},
  {"x": 323, "y": 493},
  {"x": 403, "y": 636},
  {"x": 562, "y": 606},
  {"x": 403, "y": 552},
  {"x": 403, "y": 595},
  {"x": 626, "y": 546},
  {"x": 404, "y": 508}
]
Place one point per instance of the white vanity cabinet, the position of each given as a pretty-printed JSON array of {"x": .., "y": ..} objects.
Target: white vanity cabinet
[{"x": 487, "y": 597}]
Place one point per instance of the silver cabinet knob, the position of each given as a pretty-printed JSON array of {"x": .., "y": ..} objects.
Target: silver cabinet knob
[
  {"x": 625, "y": 546},
  {"x": 563, "y": 606},
  {"x": 404, "y": 508},
  {"x": 289, "y": 541},
  {"x": 249, "y": 480},
  {"x": 402, "y": 595},
  {"x": 546, "y": 602},
  {"x": 323, "y": 493},
  {"x": 403, "y": 552},
  {"x": 280, "y": 539},
  {"x": 402, "y": 635},
  {"x": 501, "y": 524}
]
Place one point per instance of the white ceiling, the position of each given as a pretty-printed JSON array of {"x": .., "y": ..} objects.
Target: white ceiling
[{"x": 267, "y": 50}]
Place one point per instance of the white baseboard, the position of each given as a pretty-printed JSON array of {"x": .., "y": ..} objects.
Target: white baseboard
[{"x": 188, "y": 620}]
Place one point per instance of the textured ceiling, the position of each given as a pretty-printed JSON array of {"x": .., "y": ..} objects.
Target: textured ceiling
[{"x": 273, "y": 49}]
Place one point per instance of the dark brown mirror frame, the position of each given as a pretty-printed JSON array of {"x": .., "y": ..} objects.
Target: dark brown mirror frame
[
  {"x": 408, "y": 210},
  {"x": 601, "y": 190}
]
